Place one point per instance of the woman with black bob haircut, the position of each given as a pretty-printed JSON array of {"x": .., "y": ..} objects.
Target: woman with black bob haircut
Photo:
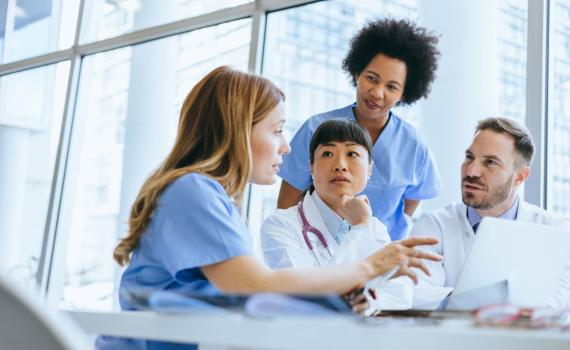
[
  {"x": 390, "y": 62},
  {"x": 333, "y": 224}
]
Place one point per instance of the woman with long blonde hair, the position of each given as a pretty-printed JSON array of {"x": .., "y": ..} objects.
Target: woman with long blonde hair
[{"x": 185, "y": 232}]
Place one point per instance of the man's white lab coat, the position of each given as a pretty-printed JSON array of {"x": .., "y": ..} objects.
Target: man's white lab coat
[{"x": 451, "y": 226}]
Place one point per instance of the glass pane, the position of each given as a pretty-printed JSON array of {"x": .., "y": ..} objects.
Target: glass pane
[
  {"x": 512, "y": 59},
  {"x": 29, "y": 135},
  {"x": 108, "y": 18},
  {"x": 558, "y": 198},
  {"x": 126, "y": 119},
  {"x": 29, "y": 28},
  {"x": 482, "y": 71}
]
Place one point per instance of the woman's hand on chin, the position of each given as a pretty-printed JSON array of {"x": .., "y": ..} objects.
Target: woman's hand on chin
[{"x": 355, "y": 210}]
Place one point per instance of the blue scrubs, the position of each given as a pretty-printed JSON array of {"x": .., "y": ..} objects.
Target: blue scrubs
[
  {"x": 404, "y": 168},
  {"x": 194, "y": 224}
]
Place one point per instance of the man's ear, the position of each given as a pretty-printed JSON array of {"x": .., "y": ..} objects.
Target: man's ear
[{"x": 522, "y": 174}]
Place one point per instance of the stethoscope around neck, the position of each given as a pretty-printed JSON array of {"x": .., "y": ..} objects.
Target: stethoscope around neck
[{"x": 307, "y": 228}]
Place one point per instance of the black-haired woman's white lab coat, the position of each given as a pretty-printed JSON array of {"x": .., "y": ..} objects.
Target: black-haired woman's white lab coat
[{"x": 283, "y": 246}]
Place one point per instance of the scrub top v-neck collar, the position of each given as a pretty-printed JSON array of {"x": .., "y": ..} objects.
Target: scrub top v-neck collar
[
  {"x": 387, "y": 127},
  {"x": 383, "y": 140}
]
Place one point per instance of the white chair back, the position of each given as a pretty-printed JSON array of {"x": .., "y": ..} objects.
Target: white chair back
[{"x": 26, "y": 324}]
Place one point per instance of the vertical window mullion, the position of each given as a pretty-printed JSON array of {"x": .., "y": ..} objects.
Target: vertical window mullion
[
  {"x": 45, "y": 263},
  {"x": 537, "y": 98}
]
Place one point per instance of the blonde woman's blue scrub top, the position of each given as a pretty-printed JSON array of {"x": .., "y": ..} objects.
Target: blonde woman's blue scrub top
[
  {"x": 194, "y": 224},
  {"x": 404, "y": 167}
]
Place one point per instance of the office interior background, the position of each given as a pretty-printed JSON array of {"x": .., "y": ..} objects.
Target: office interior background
[{"x": 90, "y": 93}]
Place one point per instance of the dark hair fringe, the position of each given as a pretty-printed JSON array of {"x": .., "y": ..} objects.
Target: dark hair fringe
[{"x": 340, "y": 130}]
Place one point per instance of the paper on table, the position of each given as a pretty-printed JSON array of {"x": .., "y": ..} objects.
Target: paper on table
[{"x": 397, "y": 294}]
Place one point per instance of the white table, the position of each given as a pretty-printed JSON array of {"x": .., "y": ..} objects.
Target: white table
[{"x": 342, "y": 332}]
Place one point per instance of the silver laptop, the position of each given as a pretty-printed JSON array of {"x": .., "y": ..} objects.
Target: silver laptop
[{"x": 511, "y": 262}]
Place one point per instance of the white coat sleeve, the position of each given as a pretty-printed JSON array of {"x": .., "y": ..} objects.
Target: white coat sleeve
[
  {"x": 427, "y": 226},
  {"x": 364, "y": 240},
  {"x": 430, "y": 291},
  {"x": 279, "y": 243}
]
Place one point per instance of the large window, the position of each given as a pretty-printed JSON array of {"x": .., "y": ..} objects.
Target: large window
[{"x": 89, "y": 105}]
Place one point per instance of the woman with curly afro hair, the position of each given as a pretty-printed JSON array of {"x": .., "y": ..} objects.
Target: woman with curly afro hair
[{"x": 390, "y": 62}]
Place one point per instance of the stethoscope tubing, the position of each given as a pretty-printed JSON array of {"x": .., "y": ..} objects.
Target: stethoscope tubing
[{"x": 305, "y": 232}]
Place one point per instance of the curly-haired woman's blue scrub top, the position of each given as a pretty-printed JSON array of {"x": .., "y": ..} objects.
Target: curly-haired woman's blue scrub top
[
  {"x": 195, "y": 224},
  {"x": 404, "y": 167}
]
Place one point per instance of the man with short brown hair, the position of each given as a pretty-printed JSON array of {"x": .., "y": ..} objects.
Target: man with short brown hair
[{"x": 496, "y": 164}]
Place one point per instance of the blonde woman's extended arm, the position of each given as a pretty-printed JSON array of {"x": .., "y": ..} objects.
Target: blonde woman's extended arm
[{"x": 245, "y": 274}]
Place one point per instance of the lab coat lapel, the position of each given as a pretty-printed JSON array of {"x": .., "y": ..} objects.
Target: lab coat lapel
[
  {"x": 467, "y": 234},
  {"x": 526, "y": 213},
  {"x": 316, "y": 220},
  {"x": 458, "y": 243}
]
